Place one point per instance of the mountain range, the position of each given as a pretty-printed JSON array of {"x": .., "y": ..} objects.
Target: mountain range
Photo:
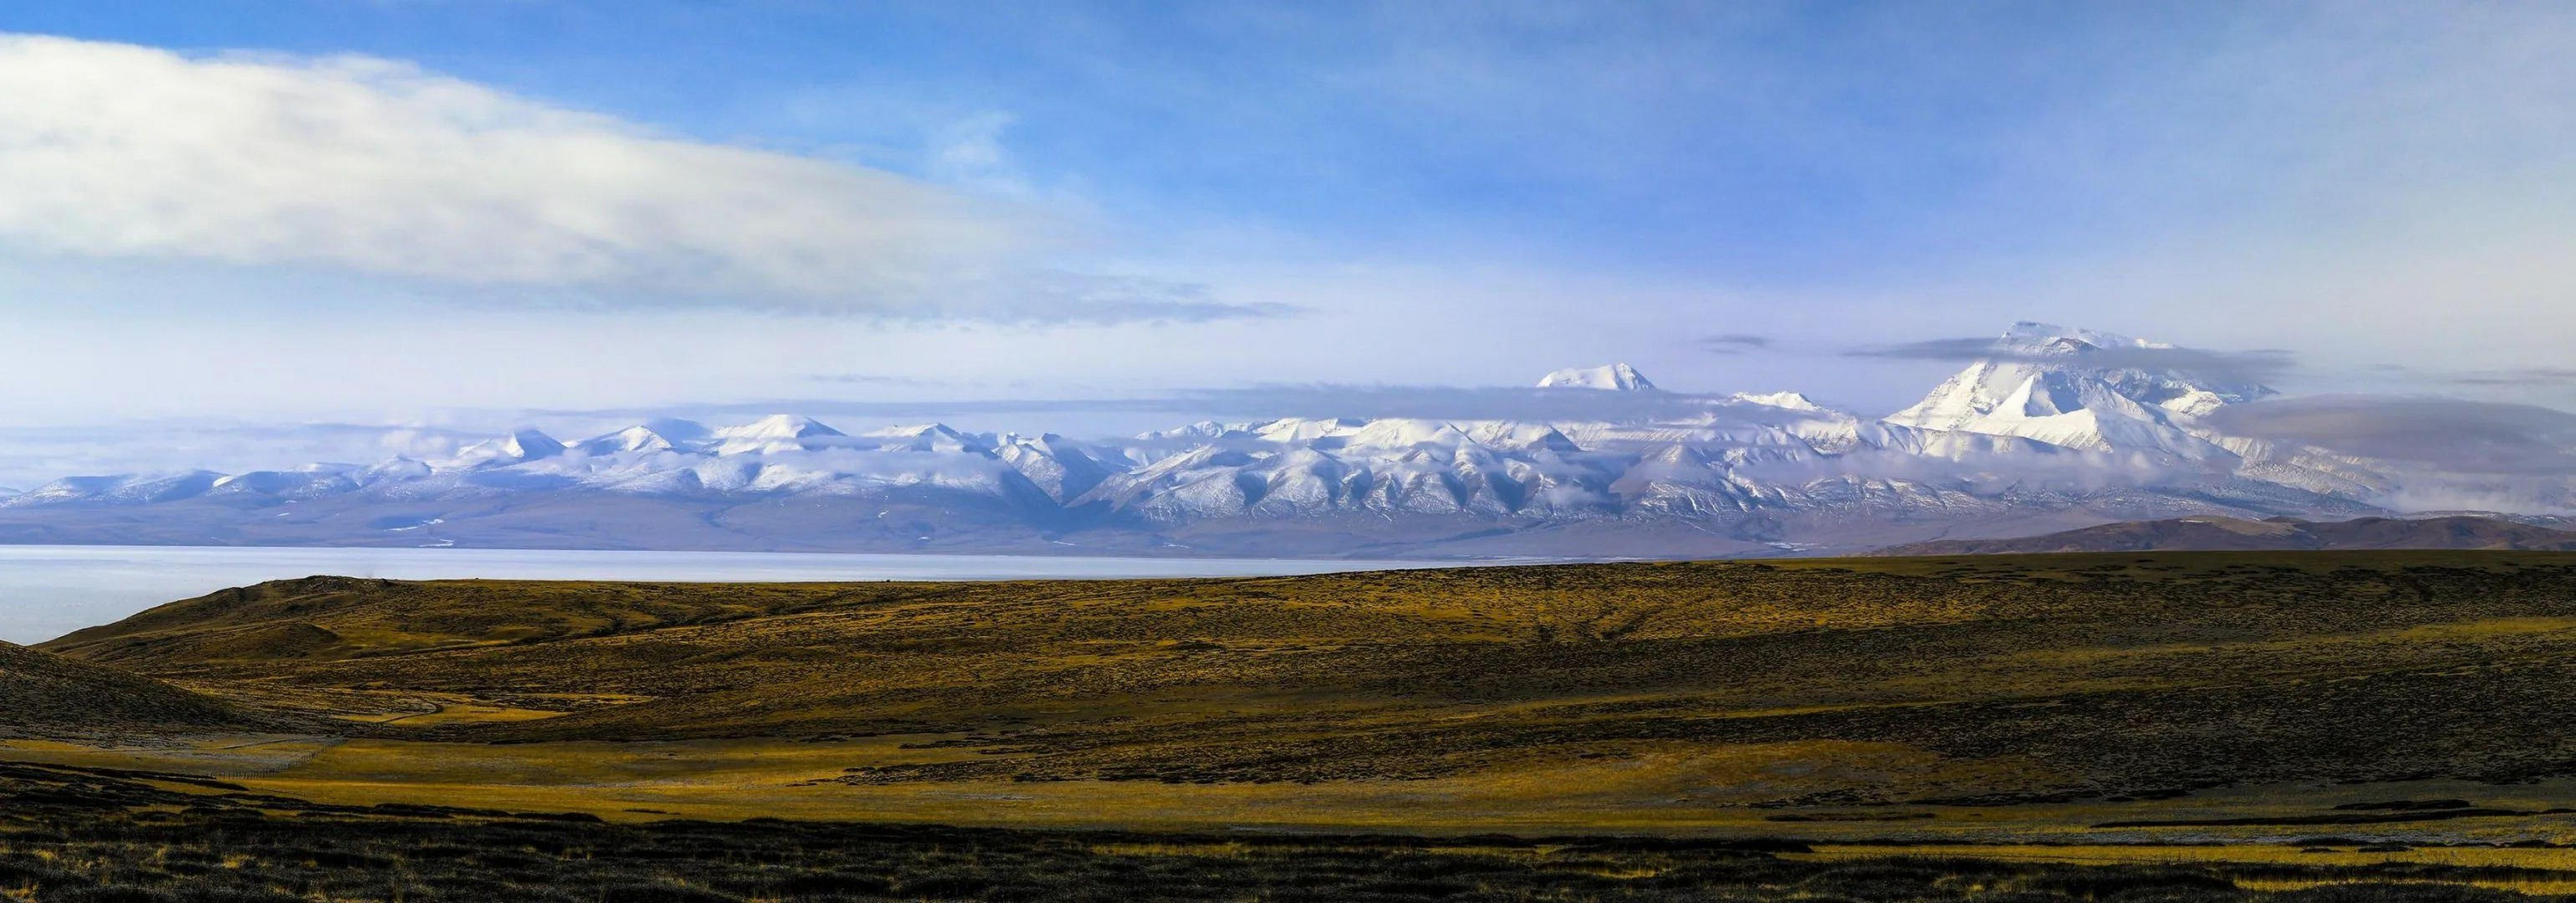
[{"x": 2054, "y": 429}]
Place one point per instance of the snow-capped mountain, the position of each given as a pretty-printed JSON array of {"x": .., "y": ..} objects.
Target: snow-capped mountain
[
  {"x": 2058, "y": 428},
  {"x": 2054, "y": 385},
  {"x": 1612, "y": 377}
]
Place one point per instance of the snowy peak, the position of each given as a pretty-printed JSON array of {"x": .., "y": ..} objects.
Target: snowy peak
[
  {"x": 1058, "y": 467},
  {"x": 2081, "y": 389},
  {"x": 531, "y": 444},
  {"x": 774, "y": 433},
  {"x": 2031, "y": 337},
  {"x": 1793, "y": 401},
  {"x": 928, "y": 437},
  {"x": 658, "y": 435},
  {"x": 779, "y": 426},
  {"x": 1608, "y": 377},
  {"x": 2146, "y": 368},
  {"x": 630, "y": 439},
  {"x": 1298, "y": 429},
  {"x": 120, "y": 489},
  {"x": 1201, "y": 431},
  {"x": 516, "y": 448}
]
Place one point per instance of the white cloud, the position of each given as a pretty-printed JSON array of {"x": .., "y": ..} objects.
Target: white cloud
[
  {"x": 379, "y": 167},
  {"x": 969, "y": 152}
]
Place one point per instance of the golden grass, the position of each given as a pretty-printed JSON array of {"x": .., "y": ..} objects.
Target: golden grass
[
  {"x": 223, "y": 755},
  {"x": 1679, "y": 790},
  {"x": 454, "y": 713}
]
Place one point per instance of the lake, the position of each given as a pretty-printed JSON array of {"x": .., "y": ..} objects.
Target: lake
[{"x": 47, "y": 591}]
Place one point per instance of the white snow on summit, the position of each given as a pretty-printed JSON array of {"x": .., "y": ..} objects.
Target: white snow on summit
[
  {"x": 630, "y": 439},
  {"x": 774, "y": 433},
  {"x": 1611, "y": 377},
  {"x": 1791, "y": 400},
  {"x": 517, "y": 448},
  {"x": 2080, "y": 389}
]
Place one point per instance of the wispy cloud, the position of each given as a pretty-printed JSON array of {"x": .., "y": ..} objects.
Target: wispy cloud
[
  {"x": 874, "y": 379},
  {"x": 1245, "y": 404},
  {"x": 1450, "y": 403},
  {"x": 2531, "y": 376},
  {"x": 2447, "y": 433},
  {"x": 31, "y": 456},
  {"x": 969, "y": 152},
  {"x": 379, "y": 167},
  {"x": 1735, "y": 343},
  {"x": 2232, "y": 366}
]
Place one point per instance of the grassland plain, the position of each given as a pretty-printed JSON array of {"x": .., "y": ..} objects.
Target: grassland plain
[
  {"x": 101, "y": 836},
  {"x": 2105, "y": 706}
]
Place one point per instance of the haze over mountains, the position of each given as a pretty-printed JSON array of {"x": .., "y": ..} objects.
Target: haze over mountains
[{"x": 2055, "y": 429}]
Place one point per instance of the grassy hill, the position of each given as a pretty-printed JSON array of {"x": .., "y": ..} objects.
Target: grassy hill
[
  {"x": 47, "y": 695},
  {"x": 1878, "y": 681},
  {"x": 326, "y": 618}
]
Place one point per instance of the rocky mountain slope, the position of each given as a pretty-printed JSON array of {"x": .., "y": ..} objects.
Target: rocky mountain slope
[
  {"x": 2059, "y": 428},
  {"x": 2220, "y": 534}
]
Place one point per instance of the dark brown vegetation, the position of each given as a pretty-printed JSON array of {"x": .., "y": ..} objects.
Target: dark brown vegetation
[
  {"x": 45, "y": 695},
  {"x": 89, "y": 836},
  {"x": 2283, "y": 534}
]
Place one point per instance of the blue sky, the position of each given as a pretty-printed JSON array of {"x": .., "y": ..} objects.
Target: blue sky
[
  {"x": 1070, "y": 199},
  {"x": 1782, "y": 142}
]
